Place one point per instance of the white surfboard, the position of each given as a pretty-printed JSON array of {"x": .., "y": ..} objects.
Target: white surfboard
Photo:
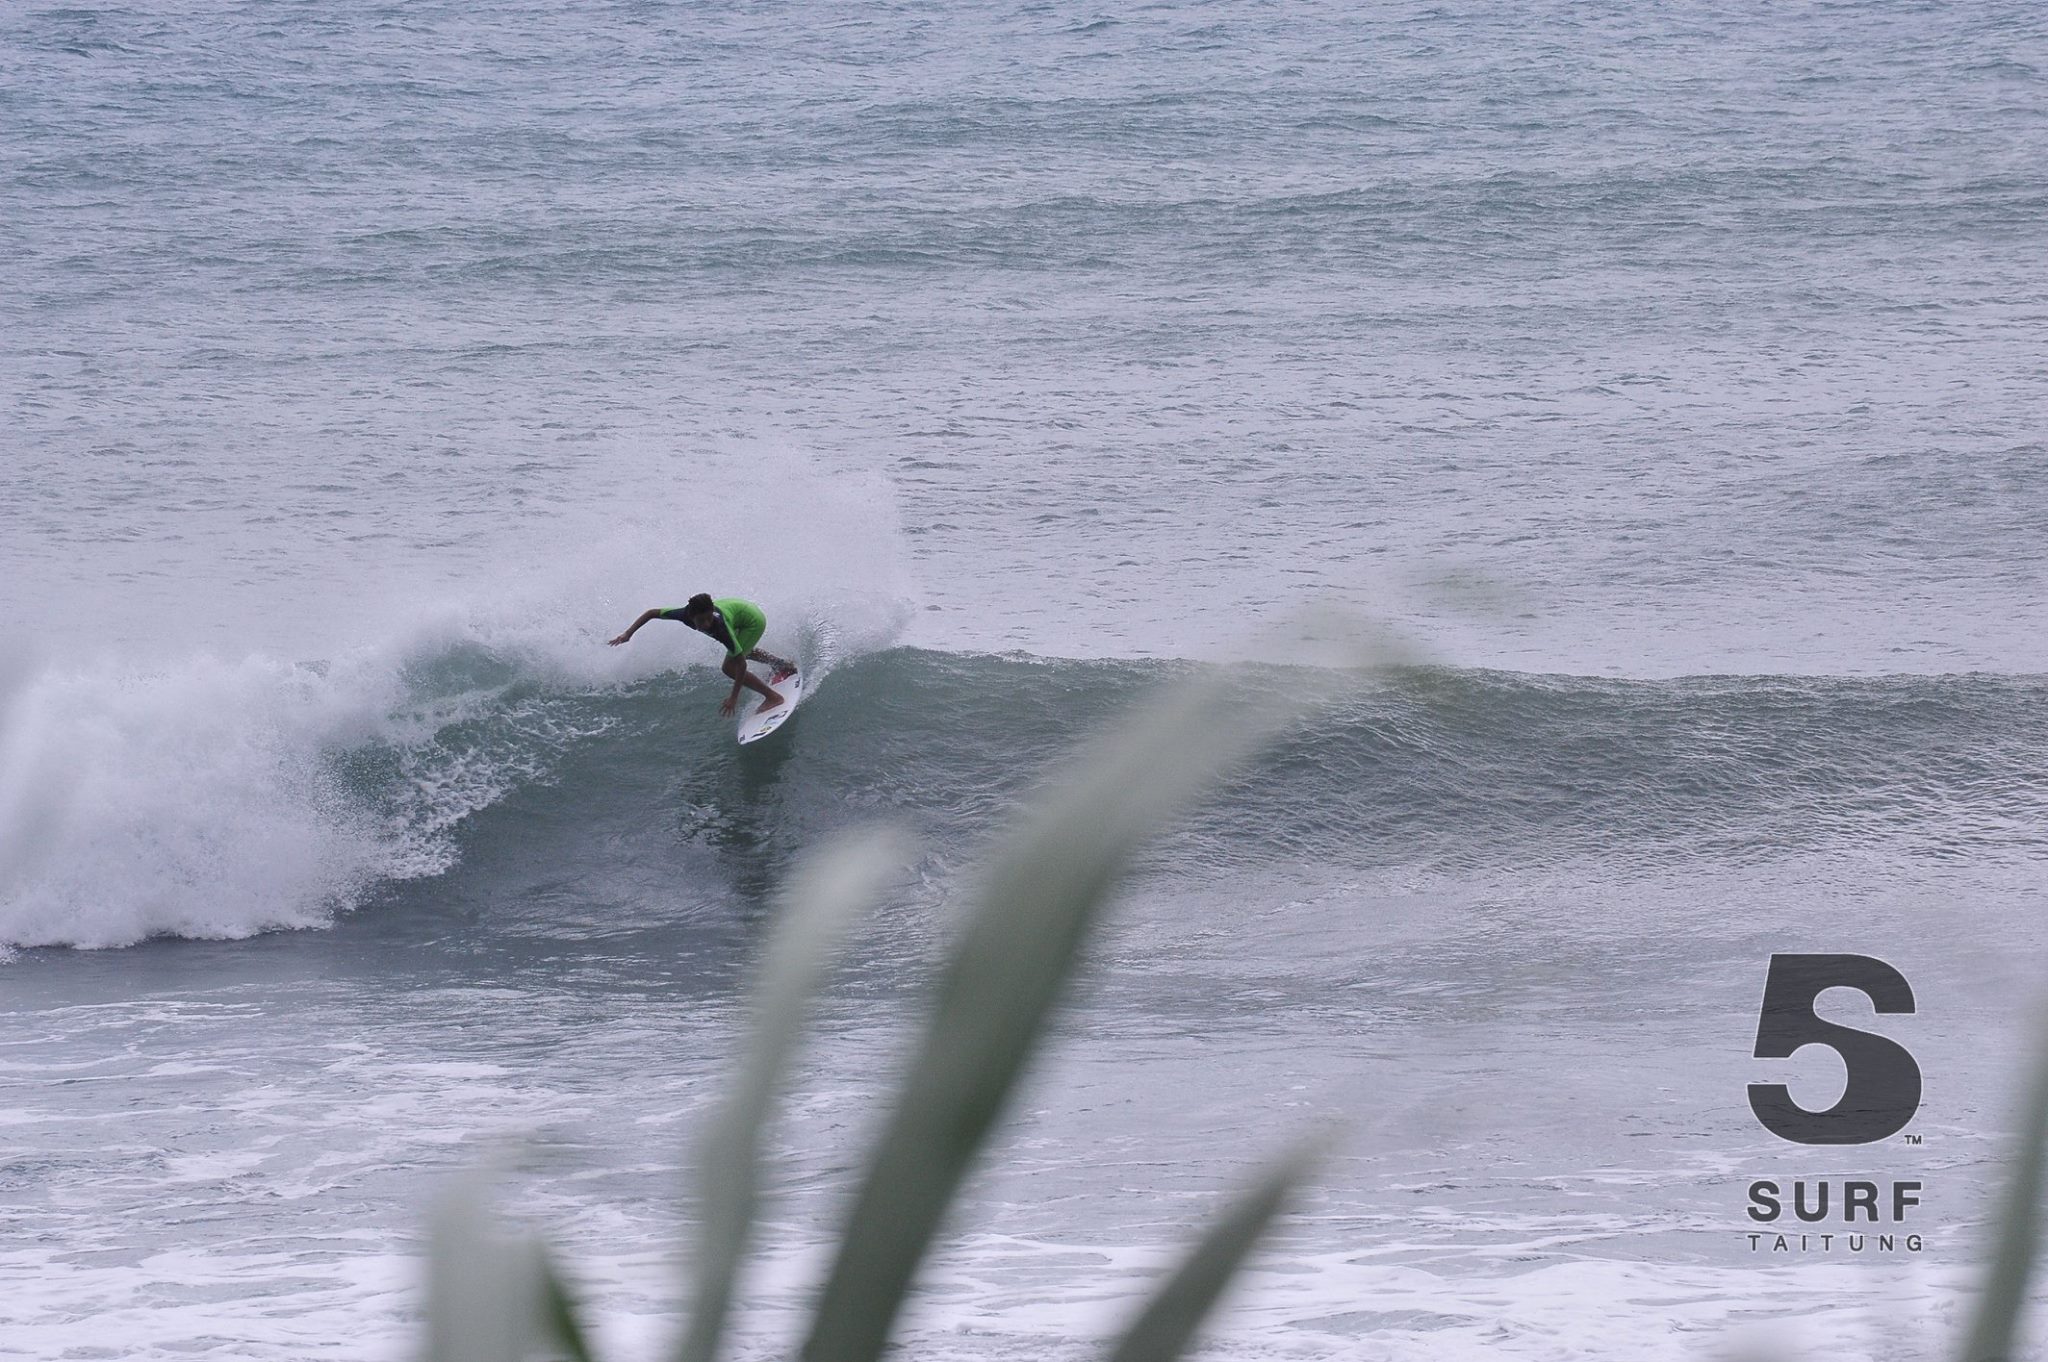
[{"x": 756, "y": 725}]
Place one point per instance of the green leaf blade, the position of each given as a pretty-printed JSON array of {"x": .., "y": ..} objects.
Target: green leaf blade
[
  {"x": 1041, "y": 898},
  {"x": 1995, "y": 1323},
  {"x": 493, "y": 1295},
  {"x": 1166, "y": 1326},
  {"x": 828, "y": 892}
]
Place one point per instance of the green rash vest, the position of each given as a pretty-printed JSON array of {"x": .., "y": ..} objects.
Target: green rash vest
[{"x": 743, "y": 620}]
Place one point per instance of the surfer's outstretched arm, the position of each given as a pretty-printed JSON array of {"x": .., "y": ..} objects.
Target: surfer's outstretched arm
[{"x": 634, "y": 628}]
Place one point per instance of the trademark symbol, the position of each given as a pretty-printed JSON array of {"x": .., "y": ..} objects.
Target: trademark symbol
[{"x": 1912, "y": 1139}]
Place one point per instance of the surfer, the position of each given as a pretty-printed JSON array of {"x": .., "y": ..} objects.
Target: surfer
[{"x": 738, "y": 625}]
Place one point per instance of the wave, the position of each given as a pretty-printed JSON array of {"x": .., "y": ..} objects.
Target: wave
[{"x": 225, "y": 799}]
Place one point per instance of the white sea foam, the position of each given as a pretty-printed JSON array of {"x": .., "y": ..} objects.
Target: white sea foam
[
  {"x": 188, "y": 801},
  {"x": 198, "y": 795}
]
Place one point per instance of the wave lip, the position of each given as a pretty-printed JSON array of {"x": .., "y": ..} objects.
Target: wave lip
[
  {"x": 222, "y": 799},
  {"x": 189, "y": 803}
]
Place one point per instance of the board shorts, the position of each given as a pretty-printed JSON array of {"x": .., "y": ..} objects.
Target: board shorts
[{"x": 745, "y": 622}]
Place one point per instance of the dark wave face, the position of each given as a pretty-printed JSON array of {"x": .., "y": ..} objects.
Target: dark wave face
[
  {"x": 1425, "y": 768},
  {"x": 271, "y": 797}
]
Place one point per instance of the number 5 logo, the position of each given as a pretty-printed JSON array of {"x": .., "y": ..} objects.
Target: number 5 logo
[{"x": 1883, "y": 1090}]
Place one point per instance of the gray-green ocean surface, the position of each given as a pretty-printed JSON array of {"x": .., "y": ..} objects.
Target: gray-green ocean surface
[{"x": 1673, "y": 376}]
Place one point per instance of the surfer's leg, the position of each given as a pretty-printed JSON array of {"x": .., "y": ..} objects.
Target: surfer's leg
[
  {"x": 782, "y": 665},
  {"x": 736, "y": 668}
]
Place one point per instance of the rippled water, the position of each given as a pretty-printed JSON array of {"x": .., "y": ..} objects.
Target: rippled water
[{"x": 1674, "y": 376}]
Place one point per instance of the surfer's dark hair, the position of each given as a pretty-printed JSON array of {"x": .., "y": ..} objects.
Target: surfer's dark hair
[{"x": 699, "y": 604}]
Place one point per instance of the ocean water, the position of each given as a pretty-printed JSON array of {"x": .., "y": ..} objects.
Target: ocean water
[{"x": 1671, "y": 378}]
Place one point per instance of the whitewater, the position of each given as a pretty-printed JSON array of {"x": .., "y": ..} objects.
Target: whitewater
[{"x": 1669, "y": 382}]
